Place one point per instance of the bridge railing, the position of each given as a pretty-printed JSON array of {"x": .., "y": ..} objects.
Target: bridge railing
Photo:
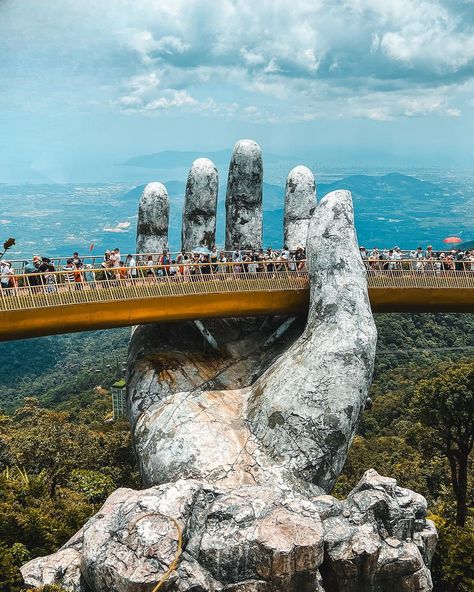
[
  {"x": 96, "y": 260},
  {"x": 420, "y": 273},
  {"x": 87, "y": 285},
  {"x": 81, "y": 286}
]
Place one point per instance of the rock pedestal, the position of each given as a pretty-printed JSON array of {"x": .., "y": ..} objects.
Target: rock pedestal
[{"x": 248, "y": 539}]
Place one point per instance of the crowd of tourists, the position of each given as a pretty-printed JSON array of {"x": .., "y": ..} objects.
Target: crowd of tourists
[
  {"x": 42, "y": 271},
  {"x": 419, "y": 259},
  {"x": 203, "y": 262}
]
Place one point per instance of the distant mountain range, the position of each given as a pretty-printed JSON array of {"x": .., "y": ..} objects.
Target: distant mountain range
[
  {"x": 54, "y": 219},
  {"x": 398, "y": 206},
  {"x": 176, "y": 159}
]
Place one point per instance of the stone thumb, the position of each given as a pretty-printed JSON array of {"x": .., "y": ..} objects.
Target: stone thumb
[{"x": 308, "y": 422}]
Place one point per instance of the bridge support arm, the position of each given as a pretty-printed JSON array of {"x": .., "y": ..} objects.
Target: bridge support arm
[{"x": 206, "y": 334}]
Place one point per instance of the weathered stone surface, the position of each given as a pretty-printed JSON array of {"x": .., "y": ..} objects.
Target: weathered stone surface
[
  {"x": 152, "y": 224},
  {"x": 244, "y": 197},
  {"x": 182, "y": 403},
  {"x": 310, "y": 420},
  {"x": 188, "y": 408},
  {"x": 258, "y": 533},
  {"x": 133, "y": 539},
  {"x": 300, "y": 202},
  {"x": 244, "y": 539},
  {"x": 371, "y": 542},
  {"x": 200, "y": 203},
  {"x": 64, "y": 568}
]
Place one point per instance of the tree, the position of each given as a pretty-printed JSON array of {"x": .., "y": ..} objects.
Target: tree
[
  {"x": 8, "y": 244},
  {"x": 445, "y": 405},
  {"x": 453, "y": 563}
]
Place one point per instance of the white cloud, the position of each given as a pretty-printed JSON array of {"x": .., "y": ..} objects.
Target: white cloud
[
  {"x": 172, "y": 99},
  {"x": 378, "y": 59},
  {"x": 358, "y": 58},
  {"x": 149, "y": 48}
]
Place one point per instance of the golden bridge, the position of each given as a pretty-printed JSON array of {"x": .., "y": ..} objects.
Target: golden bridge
[{"x": 80, "y": 300}]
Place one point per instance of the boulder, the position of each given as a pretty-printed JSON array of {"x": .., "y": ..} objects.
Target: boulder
[
  {"x": 63, "y": 568},
  {"x": 240, "y": 539}
]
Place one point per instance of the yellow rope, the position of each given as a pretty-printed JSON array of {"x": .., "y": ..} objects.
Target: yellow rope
[
  {"x": 179, "y": 548},
  {"x": 175, "y": 561}
]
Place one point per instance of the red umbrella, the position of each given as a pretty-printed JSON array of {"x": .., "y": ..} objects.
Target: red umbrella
[{"x": 451, "y": 240}]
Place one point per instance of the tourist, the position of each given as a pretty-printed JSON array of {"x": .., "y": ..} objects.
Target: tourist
[
  {"x": 214, "y": 258},
  {"x": 174, "y": 269},
  {"x": 132, "y": 267},
  {"x": 6, "y": 275},
  {"x": 300, "y": 258},
  {"x": 150, "y": 266},
  {"x": 76, "y": 260},
  {"x": 89, "y": 276},
  {"x": 78, "y": 278},
  {"x": 32, "y": 269},
  {"x": 107, "y": 262},
  {"x": 69, "y": 272},
  {"x": 49, "y": 278},
  {"x": 164, "y": 261},
  {"x": 205, "y": 265},
  {"x": 222, "y": 266},
  {"x": 186, "y": 267},
  {"x": 122, "y": 271},
  {"x": 116, "y": 257}
]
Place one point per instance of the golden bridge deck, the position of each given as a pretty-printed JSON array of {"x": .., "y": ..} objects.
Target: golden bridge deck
[{"x": 115, "y": 299}]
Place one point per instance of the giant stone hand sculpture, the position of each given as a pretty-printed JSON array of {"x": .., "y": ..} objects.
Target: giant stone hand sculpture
[{"x": 240, "y": 442}]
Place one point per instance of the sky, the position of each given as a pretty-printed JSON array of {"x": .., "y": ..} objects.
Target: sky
[{"x": 84, "y": 83}]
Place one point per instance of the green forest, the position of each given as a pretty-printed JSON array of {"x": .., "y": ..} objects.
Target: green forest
[{"x": 61, "y": 454}]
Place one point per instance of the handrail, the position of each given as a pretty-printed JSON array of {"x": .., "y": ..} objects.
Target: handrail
[
  {"x": 19, "y": 264},
  {"x": 41, "y": 290},
  {"x": 86, "y": 286}
]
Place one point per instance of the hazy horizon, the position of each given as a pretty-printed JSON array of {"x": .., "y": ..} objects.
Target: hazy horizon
[{"x": 363, "y": 83}]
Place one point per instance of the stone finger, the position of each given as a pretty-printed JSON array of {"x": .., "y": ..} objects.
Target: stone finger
[
  {"x": 244, "y": 197},
  {"x": 200, "y": 204},
  {"x": 153, "y": 217},
  {"x": 300, "y": 201}
]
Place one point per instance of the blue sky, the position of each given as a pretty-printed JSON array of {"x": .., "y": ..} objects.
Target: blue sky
[{"x": 87, "y": 82}]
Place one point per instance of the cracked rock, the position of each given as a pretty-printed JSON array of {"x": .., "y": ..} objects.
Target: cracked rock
[{"x": 244, "y": 539}]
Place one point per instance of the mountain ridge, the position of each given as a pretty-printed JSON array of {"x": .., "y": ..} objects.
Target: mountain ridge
[{"x": 178, "y": 158}]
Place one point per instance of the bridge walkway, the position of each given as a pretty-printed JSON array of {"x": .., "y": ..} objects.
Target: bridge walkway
[{"x": 62, "y": 302}]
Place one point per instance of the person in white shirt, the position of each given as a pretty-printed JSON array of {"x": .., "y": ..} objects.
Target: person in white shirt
[
  {"x": 115, "y": 257},
  {"x": 397, "y": 257},
  {"x": 132, "y": 266},
  {"x": 6, "y": 274},
  {"x": 174, "y": 268}
]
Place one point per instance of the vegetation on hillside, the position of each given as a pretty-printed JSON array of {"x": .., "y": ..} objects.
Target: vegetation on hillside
[
  {"x": 60, "y": 455},
  {"x": 420, "y": 430}
]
